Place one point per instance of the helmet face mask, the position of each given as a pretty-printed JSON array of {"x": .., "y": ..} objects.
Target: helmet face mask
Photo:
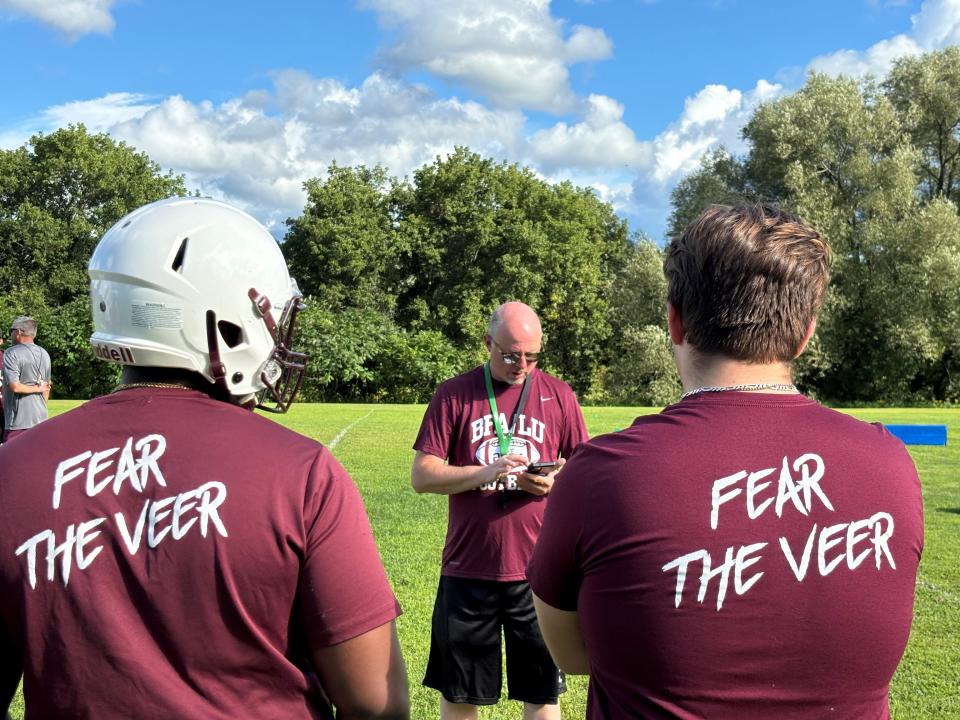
[
  {"x": 283, "y": 372},
  {"x": 196, "y": 284}
]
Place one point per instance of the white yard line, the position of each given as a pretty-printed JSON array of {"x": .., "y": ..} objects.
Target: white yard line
[{"x": 340, "y": 435}]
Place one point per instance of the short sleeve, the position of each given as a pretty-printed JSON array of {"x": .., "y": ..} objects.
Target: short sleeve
[
  {"x": 555, "y": 570},
  {"x": 11, "y": 371},
  {"x": 437, "y": 427},
  {"x": 344, "y": 590}
]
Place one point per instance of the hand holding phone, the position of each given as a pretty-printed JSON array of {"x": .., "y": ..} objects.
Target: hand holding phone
[{"x": 542, "y": 468}]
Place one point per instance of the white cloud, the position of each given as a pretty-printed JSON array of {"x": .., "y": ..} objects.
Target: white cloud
[
  {"x": 712, "y": 117},
  {"x": 601, "y": 141},
  {"x": 936, "y": 26},
  {"x": 716, "y": 114},
  {"x": 101, "y": 114},
  {"x": 876, "y": 60},
  {"x": 258, "y": 150},
  {"x": 513, "y": 52},
  {"x": 71, "y": 17}
]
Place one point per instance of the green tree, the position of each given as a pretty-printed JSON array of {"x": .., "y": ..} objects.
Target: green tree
[
  {"x": 835, "y": 152},
  {"x": 925, "y": 91},
  {"x": 641, "y": 369},
  {"x": 59, "y": 193},
  {"x": 438, "y": 253},
  {"x": 720, "y": 179},
  {"x": 857, "y": 160},
  {"x": 342, "y": 247},
  {"x": 477, "y": 232}
]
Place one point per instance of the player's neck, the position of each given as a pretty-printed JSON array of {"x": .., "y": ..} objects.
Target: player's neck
[
  {"x": 163, "y": 376},
  {"x": 720, "y": 372}
]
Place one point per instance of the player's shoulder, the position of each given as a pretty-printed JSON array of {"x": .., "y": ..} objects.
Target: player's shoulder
[
  {"x": 16, "y": 350},
  {"x": 865, "y": 434}
]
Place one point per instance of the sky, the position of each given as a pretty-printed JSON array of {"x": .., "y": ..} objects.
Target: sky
[{"x": 249, "y": 99}]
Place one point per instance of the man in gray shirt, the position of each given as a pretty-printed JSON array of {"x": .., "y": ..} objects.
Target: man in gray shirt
[{"x": 26, "y": 379}]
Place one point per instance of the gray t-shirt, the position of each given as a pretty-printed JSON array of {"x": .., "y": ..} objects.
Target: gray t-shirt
[{"x": 29, "y": 364}]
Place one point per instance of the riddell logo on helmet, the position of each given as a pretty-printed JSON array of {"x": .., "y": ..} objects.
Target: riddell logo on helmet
[{"x": 116, "y": 354}]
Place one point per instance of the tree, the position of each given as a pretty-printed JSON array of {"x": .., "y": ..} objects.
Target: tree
[
  {"x": 439, "y": 253},
  {"x": 720, "y": 179},
  {"x": 476, "y": 233},
  {"x": 342, "y": 246},
  {"x": 925, "y": 92},
  {"x": 641, "y": 369},
  {"x": 842, "y": 154},
  {"x": 59, "y": 193}
]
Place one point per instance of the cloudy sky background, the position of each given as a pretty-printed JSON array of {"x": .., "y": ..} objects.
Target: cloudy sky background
[{"x": 249, "y": 99}]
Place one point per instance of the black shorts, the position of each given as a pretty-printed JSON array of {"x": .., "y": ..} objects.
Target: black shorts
[{"x": 465, "y": 661}]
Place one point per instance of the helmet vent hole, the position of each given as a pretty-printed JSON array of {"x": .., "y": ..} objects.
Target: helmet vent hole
[
  {"x": 232, "y": 334},
  {"x": 181, "y": 253}
]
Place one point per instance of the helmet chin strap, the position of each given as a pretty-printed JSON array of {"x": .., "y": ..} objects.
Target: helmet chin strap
[{"x": 217, "y": 369}]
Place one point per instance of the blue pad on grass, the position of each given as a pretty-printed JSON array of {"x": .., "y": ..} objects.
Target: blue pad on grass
[{"x": 920, "y": 434}]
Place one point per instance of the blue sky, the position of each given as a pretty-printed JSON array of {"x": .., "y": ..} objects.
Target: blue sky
[{"x": 249, "y": 99}]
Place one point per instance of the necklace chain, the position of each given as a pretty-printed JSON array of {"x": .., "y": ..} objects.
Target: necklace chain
[
  {"x": 127, "y": 386},
  {"x": 785, "y": 387}
]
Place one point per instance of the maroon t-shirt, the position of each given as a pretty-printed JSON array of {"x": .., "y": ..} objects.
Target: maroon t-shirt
[
  {"x": 738, "y": 555},
  {"x": 166, "y": 555},
  {"x": 491, "y": 531}
]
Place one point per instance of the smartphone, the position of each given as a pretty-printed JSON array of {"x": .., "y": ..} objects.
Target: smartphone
[{"x": 542, "y": 468}]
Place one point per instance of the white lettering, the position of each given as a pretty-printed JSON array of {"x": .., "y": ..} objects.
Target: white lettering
[
  {"x": 879, "y": 530},
  {"x": 99, "y": 461},
  {"x": 737, "y": 562},
  {"x": 158, "y": 513},
  {"x": 827, "y": 541},
  {"x": 681, "y": 563},
  {"x": 753, "y": 512},
  {"x": 132, "y": 543},
  {"x": 84, "y": 560},
  {"x": 810, "y": 479},
  {"x": 799, "y": 570},
  {"x": 476, "y": 430},
  {"x": 786, "y": 490},
  {"x": 67, "y": 471},
  {"x": 718, "y": 497}
]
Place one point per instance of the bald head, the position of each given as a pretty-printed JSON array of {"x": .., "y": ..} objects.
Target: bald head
[
  {"x": 514, "y": 329},
  {"x": 518, "y": 316}
]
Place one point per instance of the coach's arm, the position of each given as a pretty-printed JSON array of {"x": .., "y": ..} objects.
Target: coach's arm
[
  {"x": 365, "y": 677},
  {"x": 561, "y": 632},
  {"x": 432, "y": 474}
]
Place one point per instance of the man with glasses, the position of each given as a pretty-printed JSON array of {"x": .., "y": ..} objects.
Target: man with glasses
[
  {"x": 479, "y": 437},
  {"x": 26, "y": 379}
]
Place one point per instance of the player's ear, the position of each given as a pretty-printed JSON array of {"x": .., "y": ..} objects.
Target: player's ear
[
  {"x": 811, "y": 328},
  {"x": 675, "y": 324}
]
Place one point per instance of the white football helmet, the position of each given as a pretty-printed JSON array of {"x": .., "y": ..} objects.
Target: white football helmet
[{"x": 197, "y": 284}]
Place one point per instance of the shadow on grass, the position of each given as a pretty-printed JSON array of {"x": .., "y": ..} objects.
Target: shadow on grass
[{"x": 952, "y": 511}]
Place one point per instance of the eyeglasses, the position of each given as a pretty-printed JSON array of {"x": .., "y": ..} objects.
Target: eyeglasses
[{"x": 513, "y": 358}]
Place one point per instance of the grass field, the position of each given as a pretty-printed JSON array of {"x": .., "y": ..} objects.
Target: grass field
[{"x": 373, "y": 442}]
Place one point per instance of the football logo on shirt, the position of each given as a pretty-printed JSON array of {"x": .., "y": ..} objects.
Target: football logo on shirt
[{"x": 489, "y": 450}]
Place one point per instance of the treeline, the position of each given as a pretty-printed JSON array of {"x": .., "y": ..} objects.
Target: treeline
[{"x": 402, "y": 274}]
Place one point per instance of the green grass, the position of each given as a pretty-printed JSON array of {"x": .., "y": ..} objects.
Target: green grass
[{"x": 373, "y": 442}]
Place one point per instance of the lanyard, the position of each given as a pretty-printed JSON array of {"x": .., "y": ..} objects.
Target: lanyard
[{"x": 504, "y": 440}]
